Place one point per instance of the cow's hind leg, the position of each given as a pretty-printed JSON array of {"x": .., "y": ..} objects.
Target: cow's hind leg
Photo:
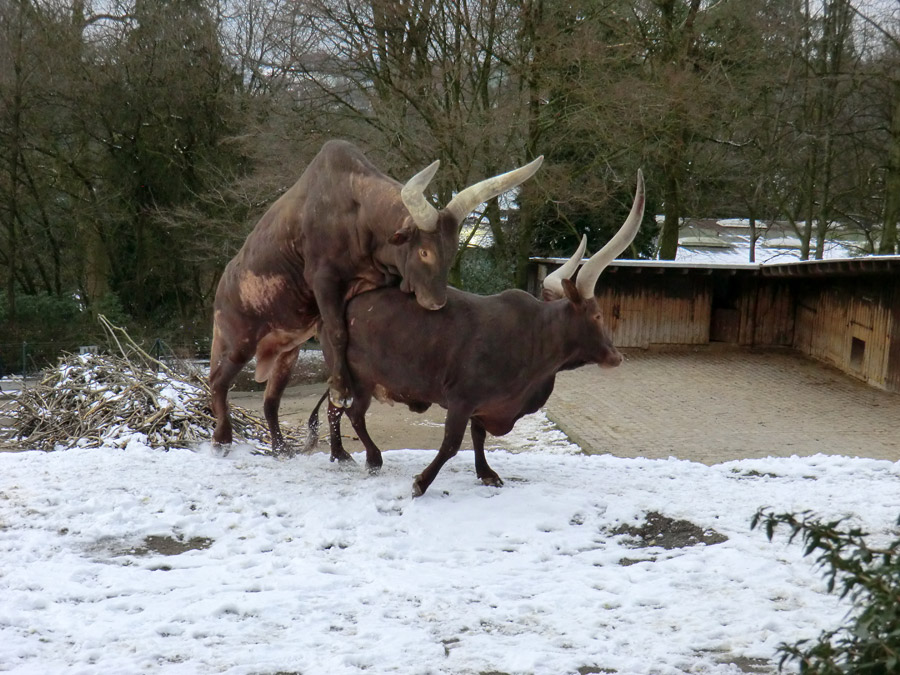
[
  {"x": 338, "y": 453},
  {"x": 487, "y": 475},
  {"x": 357, "y": 415},
  {"x": 454, "y": 430}
]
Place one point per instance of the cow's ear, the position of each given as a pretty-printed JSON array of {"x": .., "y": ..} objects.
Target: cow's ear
[
  {"x": 549, "y": 296},
  {"x": 571, "y": 291},
  {"x": 401, "y": 236}
]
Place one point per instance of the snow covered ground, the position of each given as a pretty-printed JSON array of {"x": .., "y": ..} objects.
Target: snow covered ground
[{"x": 137, "y": 560}]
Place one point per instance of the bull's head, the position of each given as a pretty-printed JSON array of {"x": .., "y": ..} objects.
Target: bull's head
[
  {"x": 431, "y": 237},
  {"x": 591, "y": 334}
]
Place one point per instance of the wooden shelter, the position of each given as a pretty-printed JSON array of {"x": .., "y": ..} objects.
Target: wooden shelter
[{"x": 844, "y": 312}]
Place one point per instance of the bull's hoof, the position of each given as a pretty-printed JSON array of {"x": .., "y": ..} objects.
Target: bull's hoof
[
  {"x": 492, "y": 481},
  {"x": 342, "y": 457},
  {"x": 220, "y": 449},
  {"x": 339, "y": 400},
  {"x": 373, "y": 469}
]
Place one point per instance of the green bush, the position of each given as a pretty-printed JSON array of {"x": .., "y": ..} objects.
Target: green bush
[
  {"x": 46, "y": 326},
  {"x": 869, "y": 642},
  {"x": 483, "y": 274}
]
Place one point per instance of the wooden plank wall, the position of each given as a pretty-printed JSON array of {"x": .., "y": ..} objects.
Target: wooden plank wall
[
  {"x": 767, "y": 313},
  {"x": 850, "y": 324},
  {"x": 645, "y": 310}
]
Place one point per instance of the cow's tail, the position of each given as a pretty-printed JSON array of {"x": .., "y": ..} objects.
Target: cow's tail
[{"x": 312, "y": 430}]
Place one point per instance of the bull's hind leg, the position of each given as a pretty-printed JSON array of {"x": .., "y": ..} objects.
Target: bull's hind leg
[
  {"x": 329, "y": 292},
  {"x": 338, "y": 454},
  {"x": 279, "y": 377},
  {"x": 225, "y": 363},
  {"x": 276, "y": 354},
  {"x": 487, "y": 475}
]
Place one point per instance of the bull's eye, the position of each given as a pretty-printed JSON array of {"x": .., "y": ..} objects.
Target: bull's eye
[{"x": 425, "y": 254}]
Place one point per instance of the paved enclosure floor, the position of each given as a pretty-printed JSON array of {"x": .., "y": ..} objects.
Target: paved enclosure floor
[
  {"x": 711, "y": 405},
  {"x": 706, "y": 405}
]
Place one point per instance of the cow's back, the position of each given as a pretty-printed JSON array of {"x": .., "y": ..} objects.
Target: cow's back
[{"x": 473, "y": 348}]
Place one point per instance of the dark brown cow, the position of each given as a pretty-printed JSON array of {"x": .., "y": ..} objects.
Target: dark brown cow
[
  {"x": 489, "y": 360},
  {"x": 343, "y": 228}
]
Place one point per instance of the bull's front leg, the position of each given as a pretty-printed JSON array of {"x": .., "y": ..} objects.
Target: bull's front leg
[
  {"x": 334, "y": 434},
  {"x": 329, "y": 290},
  {"x": 454, "y": 430},
  {"x": 487, "y": 475}
]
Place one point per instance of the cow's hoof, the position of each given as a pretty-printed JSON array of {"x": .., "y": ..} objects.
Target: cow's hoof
[
  {"x": 418, "y": 489},
  {"x": 339, "y": 400},
  {"x": 492, "y": 481},
  {"x": 373, "y": 469}
]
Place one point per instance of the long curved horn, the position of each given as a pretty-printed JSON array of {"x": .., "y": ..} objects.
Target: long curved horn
[
  {"x": 465, "y": 201},
  {"x": 553, "y": 281},
  {"x": 424, "y": 215},
  {"x": 587, "y": 277}
]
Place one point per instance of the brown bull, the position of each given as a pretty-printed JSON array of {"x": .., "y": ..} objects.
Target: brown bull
[
  {"x": 343, "y": 228},
  {"x": 487, "y": 360}
]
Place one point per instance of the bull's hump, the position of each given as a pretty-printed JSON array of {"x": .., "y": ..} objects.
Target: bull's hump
[{"x": 258, "y": 292}]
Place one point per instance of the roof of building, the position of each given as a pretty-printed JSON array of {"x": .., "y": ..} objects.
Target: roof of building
[
  {"x": 885, "y": 264},
  {"x": 724, "y": 245}
]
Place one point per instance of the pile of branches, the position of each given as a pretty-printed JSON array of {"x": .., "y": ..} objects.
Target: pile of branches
[{"x": 92, "y": 400}]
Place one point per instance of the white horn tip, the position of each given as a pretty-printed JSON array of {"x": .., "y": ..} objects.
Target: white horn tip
[{"x": 581, "y": 247}]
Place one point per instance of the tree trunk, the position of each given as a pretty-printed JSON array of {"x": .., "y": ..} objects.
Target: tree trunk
[
  {"x": 752, "y": 237},
  {"x": 16, "y": 33},
  {"x": 888, "y": 244},
  {"x": 668, "y": 237},
  {"x": 533, "y": 16}
]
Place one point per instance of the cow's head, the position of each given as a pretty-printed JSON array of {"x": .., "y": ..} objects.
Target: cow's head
[
  {"x": 590, "y": 333},
  {"x": 430, "y": 237}
]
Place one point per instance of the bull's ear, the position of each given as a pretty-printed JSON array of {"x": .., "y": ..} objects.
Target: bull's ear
[
  {"x": 401, "y": 236},
  {"x": 571, "y": 291}
]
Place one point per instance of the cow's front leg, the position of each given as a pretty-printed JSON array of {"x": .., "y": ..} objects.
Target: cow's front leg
[
  {"x": 329, "y": 290},
  {"x": 487, "y": 475},
  {"x": 454, "y": 430}
]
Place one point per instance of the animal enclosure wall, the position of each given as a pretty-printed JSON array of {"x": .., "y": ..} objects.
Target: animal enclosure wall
[
  {"x": 660, "y": 310},
  {"x": 845, "y": 313},
  {"x": 851, "y": 324}
]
